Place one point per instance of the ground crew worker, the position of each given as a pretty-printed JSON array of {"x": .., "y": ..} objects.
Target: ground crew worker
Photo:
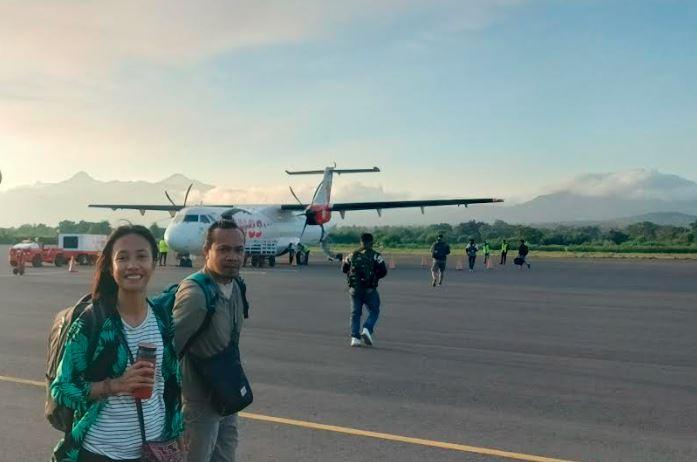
[
  {"x": 487, "y": 253},
  {"x": 439, "y": 252},
  {"x": 291, "y": 253},
  {"x": 364, "y": 268},
  {"x": 471, "y": 251},
  {"x": 504, "y": 252},
  {"x": 163, "y": 248}
]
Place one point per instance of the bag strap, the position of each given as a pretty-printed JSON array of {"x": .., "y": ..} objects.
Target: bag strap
[
  {"x": 204, "y": 282},
  {"x": 139, "y": 404},
  {"x": 243, "y": 292}
]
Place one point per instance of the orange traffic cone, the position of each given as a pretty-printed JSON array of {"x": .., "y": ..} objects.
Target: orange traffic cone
[
  {"x": 393, "y": 265},
  {"x": 460, "y": 265},
  {"x": 72, "y": 267},
  {"x": 423, "y": 262}
]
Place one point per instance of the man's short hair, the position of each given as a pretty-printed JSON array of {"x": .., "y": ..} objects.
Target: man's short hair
[
  {"x": 440, "y": 236},
  {"x": 223, "y": 223},
  {"x": 366, "y": 238}
]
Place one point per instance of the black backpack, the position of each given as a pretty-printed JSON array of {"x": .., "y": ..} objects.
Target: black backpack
[
  {"x": 440, "y": 250},
  {"x": 61, "y": 417},
  {"x": 362, "y": 271}
]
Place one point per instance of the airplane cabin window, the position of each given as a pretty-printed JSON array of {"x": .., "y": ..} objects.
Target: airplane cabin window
[{"x": 191, "y": 218}]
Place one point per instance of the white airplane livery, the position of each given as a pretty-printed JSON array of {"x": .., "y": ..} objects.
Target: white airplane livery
[{"x": 273, "y": 230}]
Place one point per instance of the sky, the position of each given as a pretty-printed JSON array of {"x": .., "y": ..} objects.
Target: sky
[{"x": 461, "y": 98}]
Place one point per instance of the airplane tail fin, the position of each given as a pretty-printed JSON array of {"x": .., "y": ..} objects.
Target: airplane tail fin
[{"x": 323, "y": 192}]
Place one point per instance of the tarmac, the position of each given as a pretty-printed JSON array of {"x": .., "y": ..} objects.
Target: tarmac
[{"x": 573, "y": 360}]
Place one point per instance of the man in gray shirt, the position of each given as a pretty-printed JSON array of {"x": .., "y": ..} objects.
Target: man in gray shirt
[{"x": 209, "y": 436}]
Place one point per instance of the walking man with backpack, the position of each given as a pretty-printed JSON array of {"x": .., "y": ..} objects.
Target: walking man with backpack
[
  {"x": 439, "y": 252},
  {"x": 522, "y": 258},
  {"x": 471, "y": 251},
  {"x": 364, "y": 268},
  {"x": 208, "y": 316}
]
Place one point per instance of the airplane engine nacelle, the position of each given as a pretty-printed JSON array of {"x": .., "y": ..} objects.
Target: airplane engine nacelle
[{"x": 318, "y": 215}]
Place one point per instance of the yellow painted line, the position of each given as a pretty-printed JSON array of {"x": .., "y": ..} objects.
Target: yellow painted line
[
  {"x": 363, "y": 433},
  {"x": 401, "y": 439},
  {"x": 22, "y": 381}
]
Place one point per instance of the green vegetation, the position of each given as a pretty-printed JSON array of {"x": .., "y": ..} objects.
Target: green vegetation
[
  {"x": 640, "y": 238},
  {"x": 643, "y": 237},
  {"x": 48, "y": 235}
]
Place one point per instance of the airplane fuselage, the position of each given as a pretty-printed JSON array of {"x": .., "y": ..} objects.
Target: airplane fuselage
[{"x": 268, "y": 230}]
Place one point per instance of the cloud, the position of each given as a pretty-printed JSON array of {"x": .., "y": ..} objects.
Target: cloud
[
  {"x": 633, "y": 184},
  {"x": 344, "y": 192},
  {"x": 70, "y": 38},
  {"x": 77, "y": 39}
]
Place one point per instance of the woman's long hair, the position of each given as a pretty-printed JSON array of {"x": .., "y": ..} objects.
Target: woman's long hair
[{"x": 104, "y": 287}]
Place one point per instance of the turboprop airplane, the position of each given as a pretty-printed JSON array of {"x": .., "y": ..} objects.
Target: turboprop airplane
[{"x": 273, "y": 230}]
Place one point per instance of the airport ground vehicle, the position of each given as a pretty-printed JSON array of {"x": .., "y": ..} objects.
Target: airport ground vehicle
[{"x": 85, "y": 248}]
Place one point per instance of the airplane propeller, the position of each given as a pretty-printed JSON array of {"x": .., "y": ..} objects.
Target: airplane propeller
[
  {"x": 186, "y": 197},
  {"x": 308, "y": 213}
]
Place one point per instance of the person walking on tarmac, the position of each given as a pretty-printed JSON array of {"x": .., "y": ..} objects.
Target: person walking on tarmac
[
  {"x": 21, "y": 263},
  {"x": 471, "y": 251},
  {"x": 504, "y": 252},
  {"x": 363, "y": 269},
  {"x": 487, "y": 254},
  {"x": 439, "y": 251},
  {"x": 523, "y": 251},
  {"x": 163, "y": 248}
]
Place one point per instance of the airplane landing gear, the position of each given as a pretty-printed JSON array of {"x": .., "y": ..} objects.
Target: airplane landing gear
[{"x": 185, "y": 261}]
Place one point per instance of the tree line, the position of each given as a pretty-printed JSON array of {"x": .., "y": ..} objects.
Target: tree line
[
  {"x": 645, "y": 234},
  {"x": 45, "y": 234}
]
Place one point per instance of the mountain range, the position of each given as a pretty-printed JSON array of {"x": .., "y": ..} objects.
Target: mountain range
[{"x": 616, "y": 198}]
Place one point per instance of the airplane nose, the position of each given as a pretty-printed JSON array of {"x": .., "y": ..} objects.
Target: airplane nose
[{"x": 176, "y": 239}]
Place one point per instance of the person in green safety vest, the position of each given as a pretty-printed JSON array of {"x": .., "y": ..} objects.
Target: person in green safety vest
[
  {"x": 487, "y": 254},
  {"x": 163, "y": 248},
  {"x": 504, "y": 252}
]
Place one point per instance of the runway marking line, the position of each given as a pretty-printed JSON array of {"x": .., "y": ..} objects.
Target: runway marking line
[{"x": 363, "y": 433}]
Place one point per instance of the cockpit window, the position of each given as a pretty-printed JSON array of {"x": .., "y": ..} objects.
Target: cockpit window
[
  {"x": 204, "y": 219},
  {"x": 190, "y": 218}
]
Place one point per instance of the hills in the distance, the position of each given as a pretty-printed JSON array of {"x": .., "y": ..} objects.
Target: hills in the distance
[{"x": 617, "y": 198}]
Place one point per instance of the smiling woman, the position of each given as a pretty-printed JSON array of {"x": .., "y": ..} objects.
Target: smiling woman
[{"x": 119, "y": 402}]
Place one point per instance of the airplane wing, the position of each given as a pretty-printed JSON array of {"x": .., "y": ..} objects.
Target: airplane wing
[
  {"x": 141, "y": 208},
  {"x": 157, "y": 208},
  {"x": 347, "y": 206}
]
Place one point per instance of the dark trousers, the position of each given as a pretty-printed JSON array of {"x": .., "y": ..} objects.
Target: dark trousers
[
  {"x": 86, "y": 456},
  {"x": 163, "y": 258},
  {"x": 472, "y": 259},
  {"x": 503, "y": 257}
]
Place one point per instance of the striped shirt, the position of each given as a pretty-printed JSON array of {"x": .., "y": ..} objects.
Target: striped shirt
[{"x": 116, "y": 431}]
